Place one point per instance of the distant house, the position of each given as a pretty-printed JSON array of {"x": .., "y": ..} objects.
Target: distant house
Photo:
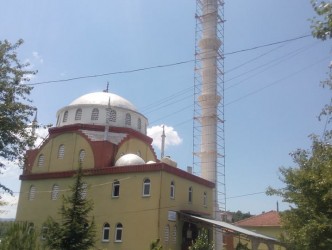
[{"x": 266, "y": 223}]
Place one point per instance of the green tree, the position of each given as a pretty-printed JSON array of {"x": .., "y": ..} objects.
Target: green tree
[
  {"x": 19, "y": 235},
  {"x": 241, "y": 246},
  {"x": 308, "y": 189},
  {"x": 237, "y": 216},
  {"x": 75, "y": 231},
  {"x": 322, "y": 24},
  {"x": 155, "y": 245},
  {"x": 202, "y": 241},
  {"x": 15, "y": 108}
]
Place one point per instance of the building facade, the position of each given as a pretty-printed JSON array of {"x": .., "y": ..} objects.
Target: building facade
[{"x": 137, "y": 197}]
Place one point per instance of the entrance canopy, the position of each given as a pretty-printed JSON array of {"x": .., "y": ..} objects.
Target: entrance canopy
[{"x": 231, "y": 228}]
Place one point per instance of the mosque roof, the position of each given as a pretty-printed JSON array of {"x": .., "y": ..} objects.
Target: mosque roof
[{"x": 102, "y": 98}]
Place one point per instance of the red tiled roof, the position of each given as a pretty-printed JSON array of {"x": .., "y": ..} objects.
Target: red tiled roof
[{"x": 268, "y": 219}]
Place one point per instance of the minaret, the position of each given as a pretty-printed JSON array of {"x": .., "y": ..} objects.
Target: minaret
[
  {"x": 34, "y": 125},
  {"x": 209, "y": 98},
  {"x": 208, "y": 114},
  {"x": 163, "y": 136}
]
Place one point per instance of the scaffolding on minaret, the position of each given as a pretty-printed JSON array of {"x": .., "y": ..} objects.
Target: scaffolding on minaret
[{"x": 208, "y": 122}]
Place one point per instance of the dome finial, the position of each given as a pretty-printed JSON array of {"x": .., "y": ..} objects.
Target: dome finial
[{"x": 106, "y": 90}]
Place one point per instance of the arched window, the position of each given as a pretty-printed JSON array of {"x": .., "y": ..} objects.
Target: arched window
[
  {"x": 32, "y": 193},
  {"x": 81, "y": 155},
  {"x": 65, "y": 116},
  {"x": 166, "y": 233},
  {"x": 204, "y": 199},
  {"x": 55, "y": 192},
  {"x": 106, "y": 232},
  {"x": 84, "y": 190},
  {"x": 95, "y": 114},
  {"x": 44, "y": 232},
  {"x": 78, "y": 114},
  {"x": 139, "y": 124},
  {"x": 61, "y": 151},
  {"x": 172, "y": 190},
  {"x": 58, "y": 120},
  {"x": 128, "y": 119},
  {"x": 112, "y": 115},
  {"x": 118, "y": 232},
  {"x": 31, "y": 228},
  {"x": 190, "y": 195},
  {"x": 116, "y": 189},
  {"x": 146, "y": 187},
  {"x": 41, "y": 160}
]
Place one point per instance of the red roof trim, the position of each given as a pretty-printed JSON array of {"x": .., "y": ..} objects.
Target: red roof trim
[{"x": 123, "y": 169}]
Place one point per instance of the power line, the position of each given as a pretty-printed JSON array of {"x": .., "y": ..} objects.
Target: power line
[
  {"x": 269, "y": 44},
  {"x": 276, "y": 82},
  {"x": 160, "y": 66}
]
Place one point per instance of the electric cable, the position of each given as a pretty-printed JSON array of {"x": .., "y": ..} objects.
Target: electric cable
[{"x": 160, "y": 66}]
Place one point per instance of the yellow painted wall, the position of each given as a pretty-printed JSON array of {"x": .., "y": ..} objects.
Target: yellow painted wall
[
  {"x": 73, "y": 143},
  {"x": 143, "y": 218},
  {"x": 134, "y": 146}
]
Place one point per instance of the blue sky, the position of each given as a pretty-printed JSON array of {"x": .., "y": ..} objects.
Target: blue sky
[{"x": 272, "y": 94}]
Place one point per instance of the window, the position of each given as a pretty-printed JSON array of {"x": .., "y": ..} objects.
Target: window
[
  {"x": 116, "y": 189},
  {"x": 204, "y": 199},
  {"x": 65, "y": 116},
  {"x": 61, "y": 151},
  {"x": 146, "y": 187},
  {"x": 172, "y": 193},
  {"x": 106, "y": 232},
  {"x": 41, "y": 160},
  {"x": 118, "y": 232},
  {"x": 32, "y": 193},
  {"x": 78, "y": 114},
  {"x": 112, "y": 115},
  {"x": 174, "y": 234},
  {"x": 190, "y": 195},
  {"x": 31, "y": 228},
  {"x": 139, "y": 124},
  {"x": 84, "y": 190},
  {"x": 44, "y": 232},
  {"x": 81, "y": 155},
  {"x": 58, "y": 120},
  {"x": 95, "y": 114},
  {"x": 166, "y": 234},
  {"x": 55, "y": 192},
  {"x": 128, "y": 119}
]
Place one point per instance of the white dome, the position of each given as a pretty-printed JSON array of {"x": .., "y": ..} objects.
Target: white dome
[
  {"x": 129, "y": 159},
  {"x": 105, "y": 109},
  {"x": 102, "y": 98}
]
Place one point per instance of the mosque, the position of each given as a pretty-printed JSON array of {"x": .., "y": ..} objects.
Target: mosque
[{"x": 137, "y": 197}]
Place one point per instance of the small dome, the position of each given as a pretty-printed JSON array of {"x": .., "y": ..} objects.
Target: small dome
[
  {"x": 102, "y": 98},
  {"x": 129, "y": 159},
  {"x": 151, "y": 162}
]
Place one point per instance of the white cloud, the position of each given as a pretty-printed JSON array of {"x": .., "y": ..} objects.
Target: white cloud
[
  {"x": 172, "y": 136},
  {"x": 38, "y": 57},
  {"x": 41, "y": 134}
]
